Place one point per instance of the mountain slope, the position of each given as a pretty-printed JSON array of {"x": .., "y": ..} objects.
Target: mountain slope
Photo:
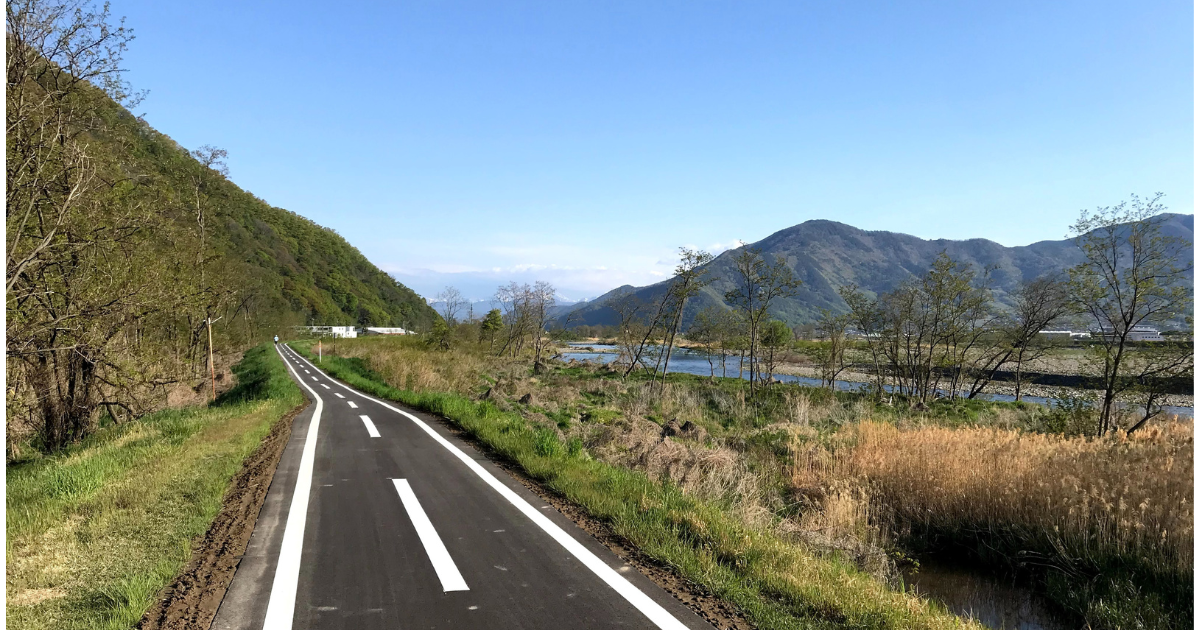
[
  {"x": 299, "y": 271},
  {"x": 827, "y": 254}
]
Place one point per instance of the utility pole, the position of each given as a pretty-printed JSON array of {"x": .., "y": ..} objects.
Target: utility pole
[{"x": 212, "y": 368}]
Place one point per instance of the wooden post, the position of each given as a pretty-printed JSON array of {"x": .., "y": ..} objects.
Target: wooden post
[{"x": 212, "y": 369}]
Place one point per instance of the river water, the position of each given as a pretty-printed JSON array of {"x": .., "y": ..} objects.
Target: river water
[{"x": 690, "y": 362}]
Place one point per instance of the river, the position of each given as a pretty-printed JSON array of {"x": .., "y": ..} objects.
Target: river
[{"x": 687, "y": 361}]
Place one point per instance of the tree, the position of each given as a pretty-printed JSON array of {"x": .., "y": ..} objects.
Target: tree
[
  {"x": 452, "y": 302},
  {"x": 514, "y": 314},
  {"x": 930, "y": 325},
  {"x": 540, "y": 300},
  {"x": 833, "y": 353},
  {"x": 776, "y": 336},
  {"x": 525, "y": 313},
  {"x": 1040, "y": 303},
  {"x": 867, "y": 317},
  {"x": 758, "y": 284},
  {"x": 491, "y": 324},
  {"x": 87, "y": 275},
  {"x": 690, "y": 278},
  {"x": 1132, "y": 275},
  {"x": 1153, "y": 368},
  {"x": 439, "y": 335}
]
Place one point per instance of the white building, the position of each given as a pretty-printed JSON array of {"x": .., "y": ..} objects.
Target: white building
[
  {"x": 1064, "y": 334},
  {"x": 343, "y": 332},
  {"x": 1136, "y": 333},
  {"x": 377, "y": 330}
]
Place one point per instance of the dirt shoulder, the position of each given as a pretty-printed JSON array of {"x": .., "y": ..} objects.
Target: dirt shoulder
[{"x": 192, "y": 600}]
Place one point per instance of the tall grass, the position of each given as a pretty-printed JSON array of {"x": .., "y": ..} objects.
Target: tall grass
[
  {"x": 1112, "y": 514},
  {"x": 94, "y": 532}
]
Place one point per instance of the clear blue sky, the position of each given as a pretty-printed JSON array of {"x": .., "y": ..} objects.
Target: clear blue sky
[{"x": 469, "y": 143}]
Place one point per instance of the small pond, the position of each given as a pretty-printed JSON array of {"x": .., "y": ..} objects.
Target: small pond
[{"x": 1002, "y": 603}]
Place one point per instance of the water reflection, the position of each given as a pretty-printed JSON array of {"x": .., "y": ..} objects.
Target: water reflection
[{"x": 995, "y": 602}]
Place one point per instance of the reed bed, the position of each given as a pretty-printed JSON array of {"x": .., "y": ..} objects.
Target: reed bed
[{"x": 1085, "y": 501}]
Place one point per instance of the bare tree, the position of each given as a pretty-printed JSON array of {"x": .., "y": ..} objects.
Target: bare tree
[
  {"x": 540, "y": 301},
  {"x": 832, "y": 356},
  {"x": 1132, "y": 275},
  {"x": 514, "y": 314},
  {"x": 928, "y": 327},
  {"x": 525, "y": 314},
  {"x": 690, "y": 278},
  {"x": 1039, "y": 303},
  {"x": 1153, "y": 369},
  {"x": 452, "y": 302},
  {"x": 758, "y": 284},
  {"x": 867, "y": 317}
]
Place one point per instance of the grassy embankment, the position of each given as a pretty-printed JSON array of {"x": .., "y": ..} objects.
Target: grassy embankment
[
  {"x": 777, "y": 583},
  {"x": 1104, "y": 526},
  {"x": 96, "y": 531}
]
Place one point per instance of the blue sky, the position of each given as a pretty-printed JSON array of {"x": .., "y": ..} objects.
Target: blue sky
[{"x": 470, "y": 143}]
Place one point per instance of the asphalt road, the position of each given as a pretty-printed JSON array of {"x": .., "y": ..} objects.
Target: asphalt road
[{"x": 379, "y": 518}]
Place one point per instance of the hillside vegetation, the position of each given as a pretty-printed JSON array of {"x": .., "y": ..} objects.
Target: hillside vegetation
[{"x": 122, "y": 245}]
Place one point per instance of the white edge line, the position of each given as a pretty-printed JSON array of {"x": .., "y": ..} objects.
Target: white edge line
[
  {"x": 371, "y": 430},
  {"x": 647, "y": 606},
  {"x": 443, "y": 564},
  {"x": 281, "y": 607}
]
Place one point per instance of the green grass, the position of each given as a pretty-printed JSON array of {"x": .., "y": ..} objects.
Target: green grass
[
  {"x": 777, "y": 584},
  {"x": 94, "y": 532}
]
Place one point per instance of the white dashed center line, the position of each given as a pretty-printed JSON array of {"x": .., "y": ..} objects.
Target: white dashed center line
[
  {"x": 447, "y": 572},
  {"x": 371, "y": 430}
]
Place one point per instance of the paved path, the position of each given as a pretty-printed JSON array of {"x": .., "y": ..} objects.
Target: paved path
[{"x": 380, "y": 518}]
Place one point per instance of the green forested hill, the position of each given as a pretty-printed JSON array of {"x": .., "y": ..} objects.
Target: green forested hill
[
  {"x": 122, "y": 246},
  {"x": 297, "y": 267}
]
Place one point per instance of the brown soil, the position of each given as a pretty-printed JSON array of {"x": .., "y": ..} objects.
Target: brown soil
[
  {"x": 714, "y": 610},
  {"x": 192, "y": 600}
]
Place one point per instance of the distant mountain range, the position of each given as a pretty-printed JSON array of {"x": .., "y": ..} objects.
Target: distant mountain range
[{"x": 826, "y": 255}]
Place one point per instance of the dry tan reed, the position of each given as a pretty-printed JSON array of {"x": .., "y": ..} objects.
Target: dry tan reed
[{"x": 1089, "y": 499}]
